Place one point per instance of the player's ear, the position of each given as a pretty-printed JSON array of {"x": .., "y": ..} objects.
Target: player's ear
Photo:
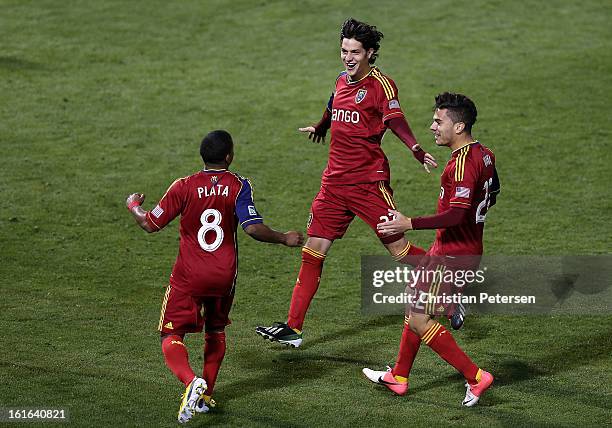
[
  {"x": 459, "y": 127},
  {"x": 229, "y": 158},
  {"x": 370, "y": 52}
]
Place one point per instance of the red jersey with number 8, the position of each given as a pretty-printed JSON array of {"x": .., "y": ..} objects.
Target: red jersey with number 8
[
  {"x": 466, "y": 183},
  {"x": 211, "y": 204}
]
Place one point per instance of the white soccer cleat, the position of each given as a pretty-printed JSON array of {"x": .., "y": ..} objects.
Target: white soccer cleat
[
  {"x": 375, "y": 375},
  {"x": 474, "y": 392},
  {"x": 204, "y": 404},
  {"x": 194, "y": 391},
  {"x": 386, "y": 378}
]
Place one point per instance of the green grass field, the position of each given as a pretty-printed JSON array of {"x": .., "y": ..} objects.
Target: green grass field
[{"x": 101, "y": 99}]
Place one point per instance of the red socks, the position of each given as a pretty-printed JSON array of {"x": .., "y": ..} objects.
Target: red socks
[
  {"x": 409, "y": 346},
  {"x": 177, "y": 358},
  {"x": 441, "y": 341},
  {"x": 410, "y": 255},
  {"x": 305, "y": 287},
  {"x": 214, "y": 351}
]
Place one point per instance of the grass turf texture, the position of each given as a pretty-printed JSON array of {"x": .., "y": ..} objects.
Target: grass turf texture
[{"x": 101, "y": 99}]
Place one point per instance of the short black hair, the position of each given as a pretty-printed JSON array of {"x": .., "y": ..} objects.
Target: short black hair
[
  {"x": 460, "y": 108},
  {"x": 215, "y": 146},
  {"x": 368, "y": 35}
]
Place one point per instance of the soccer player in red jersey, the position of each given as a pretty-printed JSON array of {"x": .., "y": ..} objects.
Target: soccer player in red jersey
[
  {"x": 211, "y": 203},
  {"x": 468, "y": 186},
  {"x": 356, "y": 181}
]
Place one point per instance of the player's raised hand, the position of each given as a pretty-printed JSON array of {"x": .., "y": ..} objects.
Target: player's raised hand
[
  {"x": 294, "y": 239},
  {"x": 313, "y": 134},
  {"x": 399, "y": 223},
  {"x": 428, "y": 161},
  {"x": 135, "y": 198}
]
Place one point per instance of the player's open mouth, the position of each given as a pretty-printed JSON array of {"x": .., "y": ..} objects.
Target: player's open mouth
[{"x": 350, "y": 65}]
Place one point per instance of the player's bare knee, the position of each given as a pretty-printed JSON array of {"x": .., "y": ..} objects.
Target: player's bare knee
[
  {"x": 418, "y": 324},
  {"x": 396, "y": 247},
  {"x": 320, "y": 245}
]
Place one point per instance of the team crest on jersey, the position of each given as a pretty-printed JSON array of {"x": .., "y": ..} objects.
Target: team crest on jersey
[
  {"x": 361, "y": 94},
  {"x": 214, "y": 179}
]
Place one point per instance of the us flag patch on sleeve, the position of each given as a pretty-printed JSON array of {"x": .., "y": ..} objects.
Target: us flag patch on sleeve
[
  {"x": 462, "y": 192},
  {"x": 157, "y": 211}
]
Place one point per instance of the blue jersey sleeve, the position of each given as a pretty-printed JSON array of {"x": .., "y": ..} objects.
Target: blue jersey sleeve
[{"x": 245, "y": 206}]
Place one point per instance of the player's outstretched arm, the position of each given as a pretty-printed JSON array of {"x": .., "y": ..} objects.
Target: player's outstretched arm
[
  {"x": 317, "y": 132},
  {"x": 133, "y": 203},
  {"x": 452, "y": 217},
  {"x": 263, "y": 233},
  {"x": 402, "y": 130}
]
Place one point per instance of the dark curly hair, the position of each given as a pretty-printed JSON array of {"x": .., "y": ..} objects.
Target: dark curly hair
[
  {"x": 215, "y": 146},
  {"x": 460, "y": 108},
  {"x": 368, "y": 35}
]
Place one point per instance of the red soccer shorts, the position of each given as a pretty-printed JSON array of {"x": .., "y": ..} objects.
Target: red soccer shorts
[
  {"x": 440, "y": 282},
  {"x": 335, "y": 206},
  {"x": 182, "y": 313}
]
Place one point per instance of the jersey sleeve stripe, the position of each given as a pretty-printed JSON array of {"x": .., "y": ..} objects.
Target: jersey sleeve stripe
[
  {"x": 252, "y": 190},
  {"x": 460, "y": 164},
  {"x": 462, "y": 205},
  {"x": 389, "y": 91},
  {"x": 250, "y": 219},
  {"x": 170, "y": 186},
  {"x": 463, "y": 163},
  {"x": 148, "y": 216},
  {"x": 392, "y": 114}
]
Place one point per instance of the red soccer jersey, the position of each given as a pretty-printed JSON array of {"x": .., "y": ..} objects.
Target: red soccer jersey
[
  {"x": 465, "y": 183},
  {"x": 359, "y": 111},
  {"x": 211, "y": 203}
]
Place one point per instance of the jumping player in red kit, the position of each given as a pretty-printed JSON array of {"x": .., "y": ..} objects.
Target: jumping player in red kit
[
  {"x": 356, "y": 181},
  {"x": 211, "y": 203},
  {"x": 469, "y": 186}
]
